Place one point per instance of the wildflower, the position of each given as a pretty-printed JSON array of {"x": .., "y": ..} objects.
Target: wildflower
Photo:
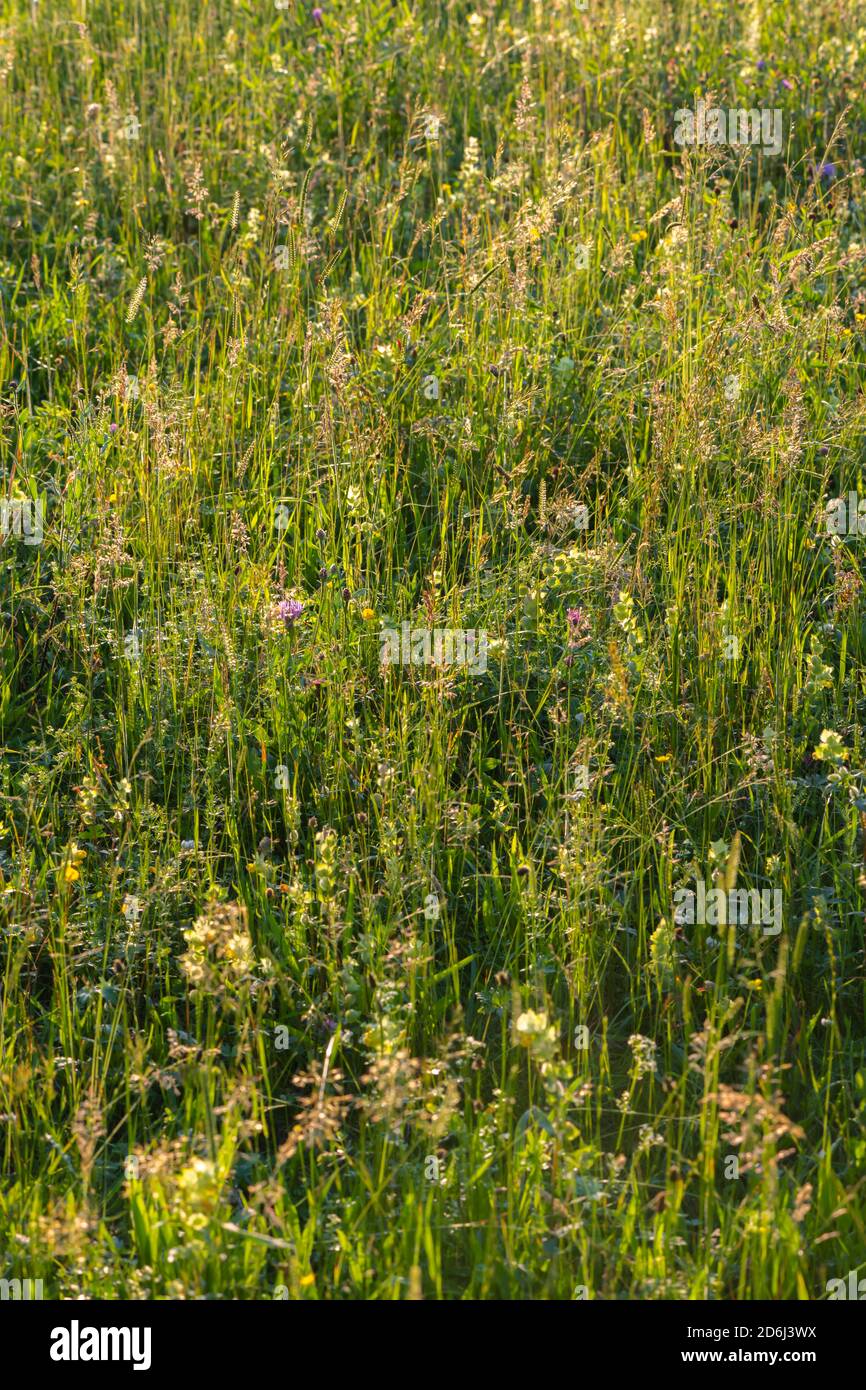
[
  {"x": 830, "y": 749},
  {"x": 644, "y": 1055},
  {"x": 819, "y": 676},
  {"x": 367, "y": 614},
  {"x": 318, "y": 15},
  {"x": 220, "y": 955},
  {"x": 326, "y": 853},
  {"x": 577, "y": 624},
  {"x": 199, "y": 1193},
  {"x": 74, "y": 857},
  {"x": 827, "y": 171},
  {"x": 288, "y": 610},
  {"x": 623, "y": 611},
  {"x": 532, "y": 1031},
  {"x": 648, "y": 1138}
]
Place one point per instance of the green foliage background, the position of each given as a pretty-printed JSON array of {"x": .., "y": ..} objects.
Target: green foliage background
[{"x": 241, "y": 1055}]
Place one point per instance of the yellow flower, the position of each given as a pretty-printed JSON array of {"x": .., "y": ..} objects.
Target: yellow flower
[
  {"x": 307, "y": 1280},
  {"x": 638, "y": 236},
  {"x": 367, "y": 614},
  {"x": 533, "y": 1032},
  {"x": 830, "y": 749},
  {"x": 74, "y": 856}
]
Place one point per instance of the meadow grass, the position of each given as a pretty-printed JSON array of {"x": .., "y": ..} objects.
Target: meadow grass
[{"x": 331, "y": 978}]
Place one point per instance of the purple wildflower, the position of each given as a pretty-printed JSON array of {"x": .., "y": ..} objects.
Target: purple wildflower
[
  {"x": 577, "y": 624},
  {"x": 828, "y": 170},
  {"x": 288, "y": 610},
  {"x": 787, "y": 84},
  {"x": 761, "y": 64},
  {"x": 318, "y": 15}
]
